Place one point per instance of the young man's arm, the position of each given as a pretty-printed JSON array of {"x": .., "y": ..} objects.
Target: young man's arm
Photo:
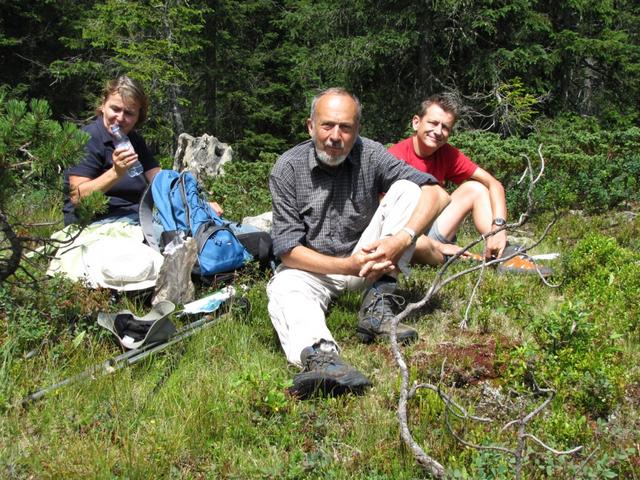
[{"x": 497, "y": 242}]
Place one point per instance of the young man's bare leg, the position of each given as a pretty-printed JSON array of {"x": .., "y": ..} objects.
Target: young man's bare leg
[{"x": 470, "y": 197}]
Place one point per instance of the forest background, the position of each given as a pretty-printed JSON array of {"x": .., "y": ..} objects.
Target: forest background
[{"x": 564, "y": 75}]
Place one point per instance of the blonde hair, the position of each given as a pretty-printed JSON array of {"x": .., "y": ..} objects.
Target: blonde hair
[{"x": 128, "y": 89}]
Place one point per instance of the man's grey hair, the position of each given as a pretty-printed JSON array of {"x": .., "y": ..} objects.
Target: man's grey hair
[{"x": 336, "y": 91}]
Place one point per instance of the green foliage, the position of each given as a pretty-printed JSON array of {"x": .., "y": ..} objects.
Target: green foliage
[
  {"x": 245, "y": 70},
  {"x": 586, "y": 166},
  {"x": 32, "y": 316},
  {"x": 243, "y": 189},
  {"x": 216, "y": 405},
  {"x": 514, "y": 107},
  {"x": 32, "y": 146},
  {"x": 606, "y": 466},
  {"x": 90, "y": 206},
  {"x": 153, "y": 41},
  {"x": 606, "y": 277},
  {"x": 492, "y": 465},
  {"x": 580, "y": 351},
  {"x": 264, "y": 391},
  {"x": 580, "y": 343},
  {"x": 31, "y": 33},
  {"x": 36, "y": 319},
  {"x": 251, "y": 98}
]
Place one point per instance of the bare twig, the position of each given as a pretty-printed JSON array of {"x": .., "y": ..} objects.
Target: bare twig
[
  {"x": 451, "y": 407},
  {"x": 552, "y": 450},
  {"x": 427, "y": 462},
  {"x": 464, "y": 323}
]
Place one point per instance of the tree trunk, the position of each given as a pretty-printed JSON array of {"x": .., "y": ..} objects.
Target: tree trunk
[{"x": 10, "y": 249}]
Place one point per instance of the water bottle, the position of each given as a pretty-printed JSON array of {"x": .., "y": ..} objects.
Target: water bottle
[{"x": 120, "y": 140}]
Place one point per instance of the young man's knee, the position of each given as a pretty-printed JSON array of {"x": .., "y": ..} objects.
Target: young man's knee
[{"x": 473, "y": 187}]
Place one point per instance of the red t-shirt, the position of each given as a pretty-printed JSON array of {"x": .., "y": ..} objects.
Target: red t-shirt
[{"x": 446, "y": 164}]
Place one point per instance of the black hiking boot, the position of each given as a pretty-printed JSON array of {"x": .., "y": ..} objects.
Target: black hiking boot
[
  {"x": 326, "y": 373},
  {"x": 376, "y": 313}
]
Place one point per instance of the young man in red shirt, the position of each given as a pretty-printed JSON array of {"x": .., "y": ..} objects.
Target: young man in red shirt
[{"x": 478, "y": 193}]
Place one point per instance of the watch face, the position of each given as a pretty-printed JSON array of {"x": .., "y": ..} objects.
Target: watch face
[{"x": 499, "y": 222}]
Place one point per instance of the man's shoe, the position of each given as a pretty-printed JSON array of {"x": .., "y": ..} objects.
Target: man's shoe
[
  {"x": 376, "y": 313},
  {"x": 326, "y": 373},
  {"x": 521, "y": 264}
]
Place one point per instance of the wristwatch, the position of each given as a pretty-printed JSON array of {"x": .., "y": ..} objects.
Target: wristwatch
[
  {"x": 499, "y": 222},
  {"x": 411, "y": 233}
]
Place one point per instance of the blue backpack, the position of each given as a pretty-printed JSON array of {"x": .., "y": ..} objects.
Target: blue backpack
[{"x": 182, "y": 209}]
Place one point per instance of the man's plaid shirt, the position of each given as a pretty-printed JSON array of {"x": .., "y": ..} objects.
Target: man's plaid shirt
[{"x": 325, "y": 208}]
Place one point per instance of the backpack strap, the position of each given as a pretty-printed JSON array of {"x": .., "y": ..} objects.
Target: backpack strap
[
  {"x": 196, "y": 206},
  {"x": 145, "y": 212},
  {"x": 158, "y": 195},
  {"x": 185, "y": 200}
]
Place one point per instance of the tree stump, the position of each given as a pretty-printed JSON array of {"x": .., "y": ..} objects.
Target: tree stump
[{"x": 203, "y": 156}]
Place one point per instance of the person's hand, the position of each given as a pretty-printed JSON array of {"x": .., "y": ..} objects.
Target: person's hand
[
  {"x": 369, "y": 266},
  {"x": 364, "y": 265},
  {"x": 450, "y": 249},
  {"x": 382, "y": 256},
  {"x": 496, "y": 245},
  {"x": 216, "y": 208},
  {"x": 123, "y": 159}
]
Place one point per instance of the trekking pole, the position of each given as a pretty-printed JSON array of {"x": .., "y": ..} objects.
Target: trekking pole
[
  {"x": 127, "y": 358},
  {"x": 108, "y": 366}
]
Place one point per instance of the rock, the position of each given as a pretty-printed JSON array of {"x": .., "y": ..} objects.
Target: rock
[
  {"x": 203, "y": 156},
  {"x": 522, "y": 241},
  {"x": 174, "y": 280},
  {"x": 261, "y": 222}
]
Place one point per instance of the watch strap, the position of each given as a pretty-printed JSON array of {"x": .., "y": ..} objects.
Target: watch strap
[{"x": 412, "y": 234}]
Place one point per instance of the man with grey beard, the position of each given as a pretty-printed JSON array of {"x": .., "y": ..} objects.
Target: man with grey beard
[{"x": 346, "y": 215}]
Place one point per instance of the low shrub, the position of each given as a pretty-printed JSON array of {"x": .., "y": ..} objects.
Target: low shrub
[
  {"x": 582, "y": 343},
  {"x": 30, "y": 315},
  {"x": 243, "y": 190},
  {"x": 586, "y": 166},
  {"x": 606, "y": 277}
]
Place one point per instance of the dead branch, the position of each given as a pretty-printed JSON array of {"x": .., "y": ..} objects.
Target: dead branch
[
  {"x": 25, "y": 249},
  {"x": 454, "y": 409},
  {"x": 8, "y": 241},
  {"x": 427, "y": 462},
  {"x": 463, "y": 324},
  {"x": 451, "y": 408}
]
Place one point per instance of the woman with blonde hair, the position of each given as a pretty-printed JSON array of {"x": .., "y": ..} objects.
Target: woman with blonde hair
[{"x": 104, "y": 167}]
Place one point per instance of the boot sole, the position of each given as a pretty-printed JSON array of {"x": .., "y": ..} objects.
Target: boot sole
[
  {"x": 368, "y": 337},
  {"x": 309, "y": 384}
]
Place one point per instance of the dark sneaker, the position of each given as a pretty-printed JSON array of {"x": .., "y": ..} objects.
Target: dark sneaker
[
  {"x": 376, "y": 313},
  {"x": 326, "y": 373}
]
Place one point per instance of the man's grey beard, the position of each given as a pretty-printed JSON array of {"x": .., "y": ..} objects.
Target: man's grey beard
[
  {"x": 325, "y": 158},
  {"x": 328, "y": 160}
]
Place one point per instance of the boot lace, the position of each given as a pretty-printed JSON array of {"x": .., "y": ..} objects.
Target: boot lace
[
  {"x": 320, "y": 359},
  {"x": 381, "y": 307}
]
